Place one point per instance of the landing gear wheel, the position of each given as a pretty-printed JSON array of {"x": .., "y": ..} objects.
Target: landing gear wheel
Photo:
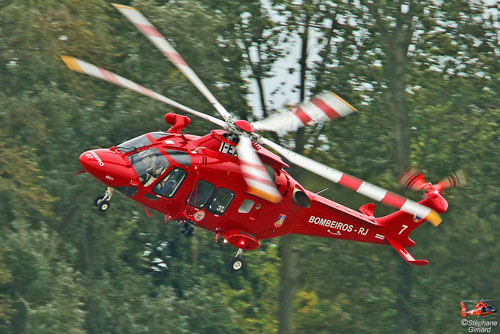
[
  {"x": 98, "y": 200},
  {"x": 102, "y": 201},
  {"x": 237, "y": 263},
  {"x": 187, "y": 230},
  {"x": 103, "y": 205}
]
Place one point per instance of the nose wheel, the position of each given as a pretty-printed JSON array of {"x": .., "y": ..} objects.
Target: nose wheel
[
  {"x": 237, "y": 263},
  {"x": 102, "y": 202}
]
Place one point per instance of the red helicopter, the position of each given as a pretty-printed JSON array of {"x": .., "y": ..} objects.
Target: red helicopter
[
  {"x": 480, "y": 310},
  {"x": 228, "y": 183}
]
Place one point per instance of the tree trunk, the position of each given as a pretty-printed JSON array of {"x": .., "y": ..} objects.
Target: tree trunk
[
  {"x": 87, "y": 267},
  {"x": 289, "y": 270},
  {"x": 397, "y": 61},
  {"x": 288, "y": 283},
  {"x": 398, "y": 108}
]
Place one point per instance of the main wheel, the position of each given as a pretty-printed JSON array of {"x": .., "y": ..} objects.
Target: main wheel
[
  {"x": 103, "y": 206},
  {"x": 189, "y": 232},
  {"x": 98, "y": 200},
  {"x": 237, "y": 263}
]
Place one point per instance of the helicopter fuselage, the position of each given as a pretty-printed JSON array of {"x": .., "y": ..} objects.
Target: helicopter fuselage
[{"x": 198, "y": 180}]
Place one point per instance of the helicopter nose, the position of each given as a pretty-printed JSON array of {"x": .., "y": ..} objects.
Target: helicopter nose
[
  {"x": 92, "y": 161},
  {"x": 108, "y": 166}
]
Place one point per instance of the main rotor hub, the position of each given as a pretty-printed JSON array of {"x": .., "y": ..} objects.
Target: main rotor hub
[{"x": 244, "y": 126}]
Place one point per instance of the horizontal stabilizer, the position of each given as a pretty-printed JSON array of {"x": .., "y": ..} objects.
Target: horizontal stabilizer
[
  {"x": 405, "y": 254},
  {"x": 368, "y": 209}
]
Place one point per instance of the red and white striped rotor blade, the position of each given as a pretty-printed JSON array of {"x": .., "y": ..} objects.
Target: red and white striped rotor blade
[
  {"x": 258, "y": 182},
  {"x": 81, "y": 66},
  {"x": 147, "y": 28},
  {"x": 322, "y": 107},
  {"x": 369, "y": 190}
]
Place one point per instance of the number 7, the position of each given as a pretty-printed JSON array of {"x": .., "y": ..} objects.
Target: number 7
[{"x": 404, "y": 228}]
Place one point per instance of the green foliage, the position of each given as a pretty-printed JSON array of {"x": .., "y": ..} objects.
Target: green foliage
[{"x": 66, "y": 269}]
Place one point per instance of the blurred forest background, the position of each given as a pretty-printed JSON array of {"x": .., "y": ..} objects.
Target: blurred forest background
[{"x": 424, "y": 75}]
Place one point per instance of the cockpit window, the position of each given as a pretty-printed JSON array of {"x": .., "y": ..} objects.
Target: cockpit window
[
  {"x": 170, "y": 183},
  {"x": 202, "y": 192},
  {"x": 220, "y": 201},
  {"x": 157, "y": 135},
  {"x": 134, "y": 144},
  {"x": 149, "y": 165}
]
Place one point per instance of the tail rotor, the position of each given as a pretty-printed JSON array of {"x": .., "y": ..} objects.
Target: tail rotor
[
  {"x": 456, "y": 179},
  {"x": 413, "y": 179}
]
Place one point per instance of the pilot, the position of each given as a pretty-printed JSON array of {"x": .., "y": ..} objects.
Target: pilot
[
  {"x": 155, "y": 169},
  {"x": 153, "y": 173}
]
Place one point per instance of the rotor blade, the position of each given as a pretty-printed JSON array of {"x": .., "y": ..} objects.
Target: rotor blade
[
  {"x": 453, "y": 180},
  {"x": 147, "y": 28},
  {"x": 360, "y": 186},
  {"x": 322, "y": 107},
  {"x": 81, "y": 66},
  {"x": 258, "y": 181},
  {"x": 412, "y": 179}
]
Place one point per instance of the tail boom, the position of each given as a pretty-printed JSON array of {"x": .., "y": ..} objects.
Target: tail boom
[{"x": 325, "y": 218}]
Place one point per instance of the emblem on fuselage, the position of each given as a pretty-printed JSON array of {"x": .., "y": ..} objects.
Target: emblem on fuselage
[
  {"x": 279, "y": 222},
  {"x": 199, "y": 215}
]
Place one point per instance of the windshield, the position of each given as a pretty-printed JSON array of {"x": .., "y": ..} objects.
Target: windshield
[
  {"x": 157, "y": 135},
  {"x": 149, "y": 165},
  {"x": 134, "y": 144}
]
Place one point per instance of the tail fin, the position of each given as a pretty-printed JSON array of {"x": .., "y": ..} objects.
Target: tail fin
[
  {"x": 399, "y": 225},
  {"x": 405, "y": 254},
  {"x": 464, "y": 311}
]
